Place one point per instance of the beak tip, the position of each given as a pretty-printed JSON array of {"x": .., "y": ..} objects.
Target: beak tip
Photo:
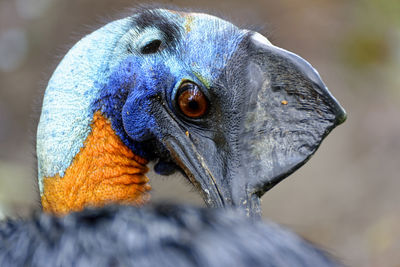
[
  {"x": 340, "y": 112},
  {"x": 341, "y": 117}
]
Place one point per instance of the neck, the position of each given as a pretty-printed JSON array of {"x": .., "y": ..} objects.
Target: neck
[
  {"x": 104, "y": 171},
  {"x": 81, "y": 160}
]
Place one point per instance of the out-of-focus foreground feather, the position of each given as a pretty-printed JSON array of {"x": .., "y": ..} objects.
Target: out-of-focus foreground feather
[{"x": 167, "y": 235}]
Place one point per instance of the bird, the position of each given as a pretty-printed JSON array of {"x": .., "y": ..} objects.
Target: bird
[{"x": 193, "y": 93}]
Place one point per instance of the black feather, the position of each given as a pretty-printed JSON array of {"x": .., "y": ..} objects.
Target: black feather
[{"x": 162, "y": 235}]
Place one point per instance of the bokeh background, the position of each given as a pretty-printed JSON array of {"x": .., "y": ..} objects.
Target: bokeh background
[{"x": 346, "y": 198}]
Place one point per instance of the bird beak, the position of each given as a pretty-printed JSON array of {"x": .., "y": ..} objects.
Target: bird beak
[{"x": 275, "y": 120}]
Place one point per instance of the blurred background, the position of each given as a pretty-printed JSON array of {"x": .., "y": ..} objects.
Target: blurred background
[{"x": 346, "y": 198}]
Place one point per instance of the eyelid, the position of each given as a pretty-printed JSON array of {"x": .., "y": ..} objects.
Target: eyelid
[
  {"x": 175, "y": 90},
  {"x": 152, "y": 47},
  {"x": 204, "y": 89},
  {"x": 147, "y": 36}
]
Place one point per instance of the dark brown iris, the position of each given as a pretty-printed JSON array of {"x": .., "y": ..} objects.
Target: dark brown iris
[{"x": 191, "y": 101}]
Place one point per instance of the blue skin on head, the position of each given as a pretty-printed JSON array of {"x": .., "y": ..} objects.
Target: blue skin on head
[
  {"x": 108, "y": 71},
  {"x": 131, "y": 86},
  {"x": 198, "y": 55}
]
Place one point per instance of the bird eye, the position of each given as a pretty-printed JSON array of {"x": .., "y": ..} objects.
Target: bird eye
[
  {"x": 152, "y": 47},
  {"x": 191, "y": 100}
]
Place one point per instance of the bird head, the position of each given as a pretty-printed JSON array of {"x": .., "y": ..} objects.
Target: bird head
[{"x": 190, "y": 91}]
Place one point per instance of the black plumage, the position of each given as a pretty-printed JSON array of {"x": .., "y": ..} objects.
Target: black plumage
[{"x": 161, "y": 235}]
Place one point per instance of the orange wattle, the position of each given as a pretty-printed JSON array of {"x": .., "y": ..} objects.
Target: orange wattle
[{"x": 104, "y": 171}]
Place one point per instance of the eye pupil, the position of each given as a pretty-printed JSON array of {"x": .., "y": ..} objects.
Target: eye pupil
[
  {"x": 191, "y": 101},
  {"x": 151, "y": 47},
  {"x": 193, "y": 105}
]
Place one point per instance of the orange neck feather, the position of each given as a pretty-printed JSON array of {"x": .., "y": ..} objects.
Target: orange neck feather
[{"x": 104, "y": 171}]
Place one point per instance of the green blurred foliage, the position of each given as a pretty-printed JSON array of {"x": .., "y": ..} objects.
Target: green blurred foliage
[
  {"x": 387, "y": 11},
  {"x": 363, "y": 49},
  {"x": 373, "y": 37}
]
